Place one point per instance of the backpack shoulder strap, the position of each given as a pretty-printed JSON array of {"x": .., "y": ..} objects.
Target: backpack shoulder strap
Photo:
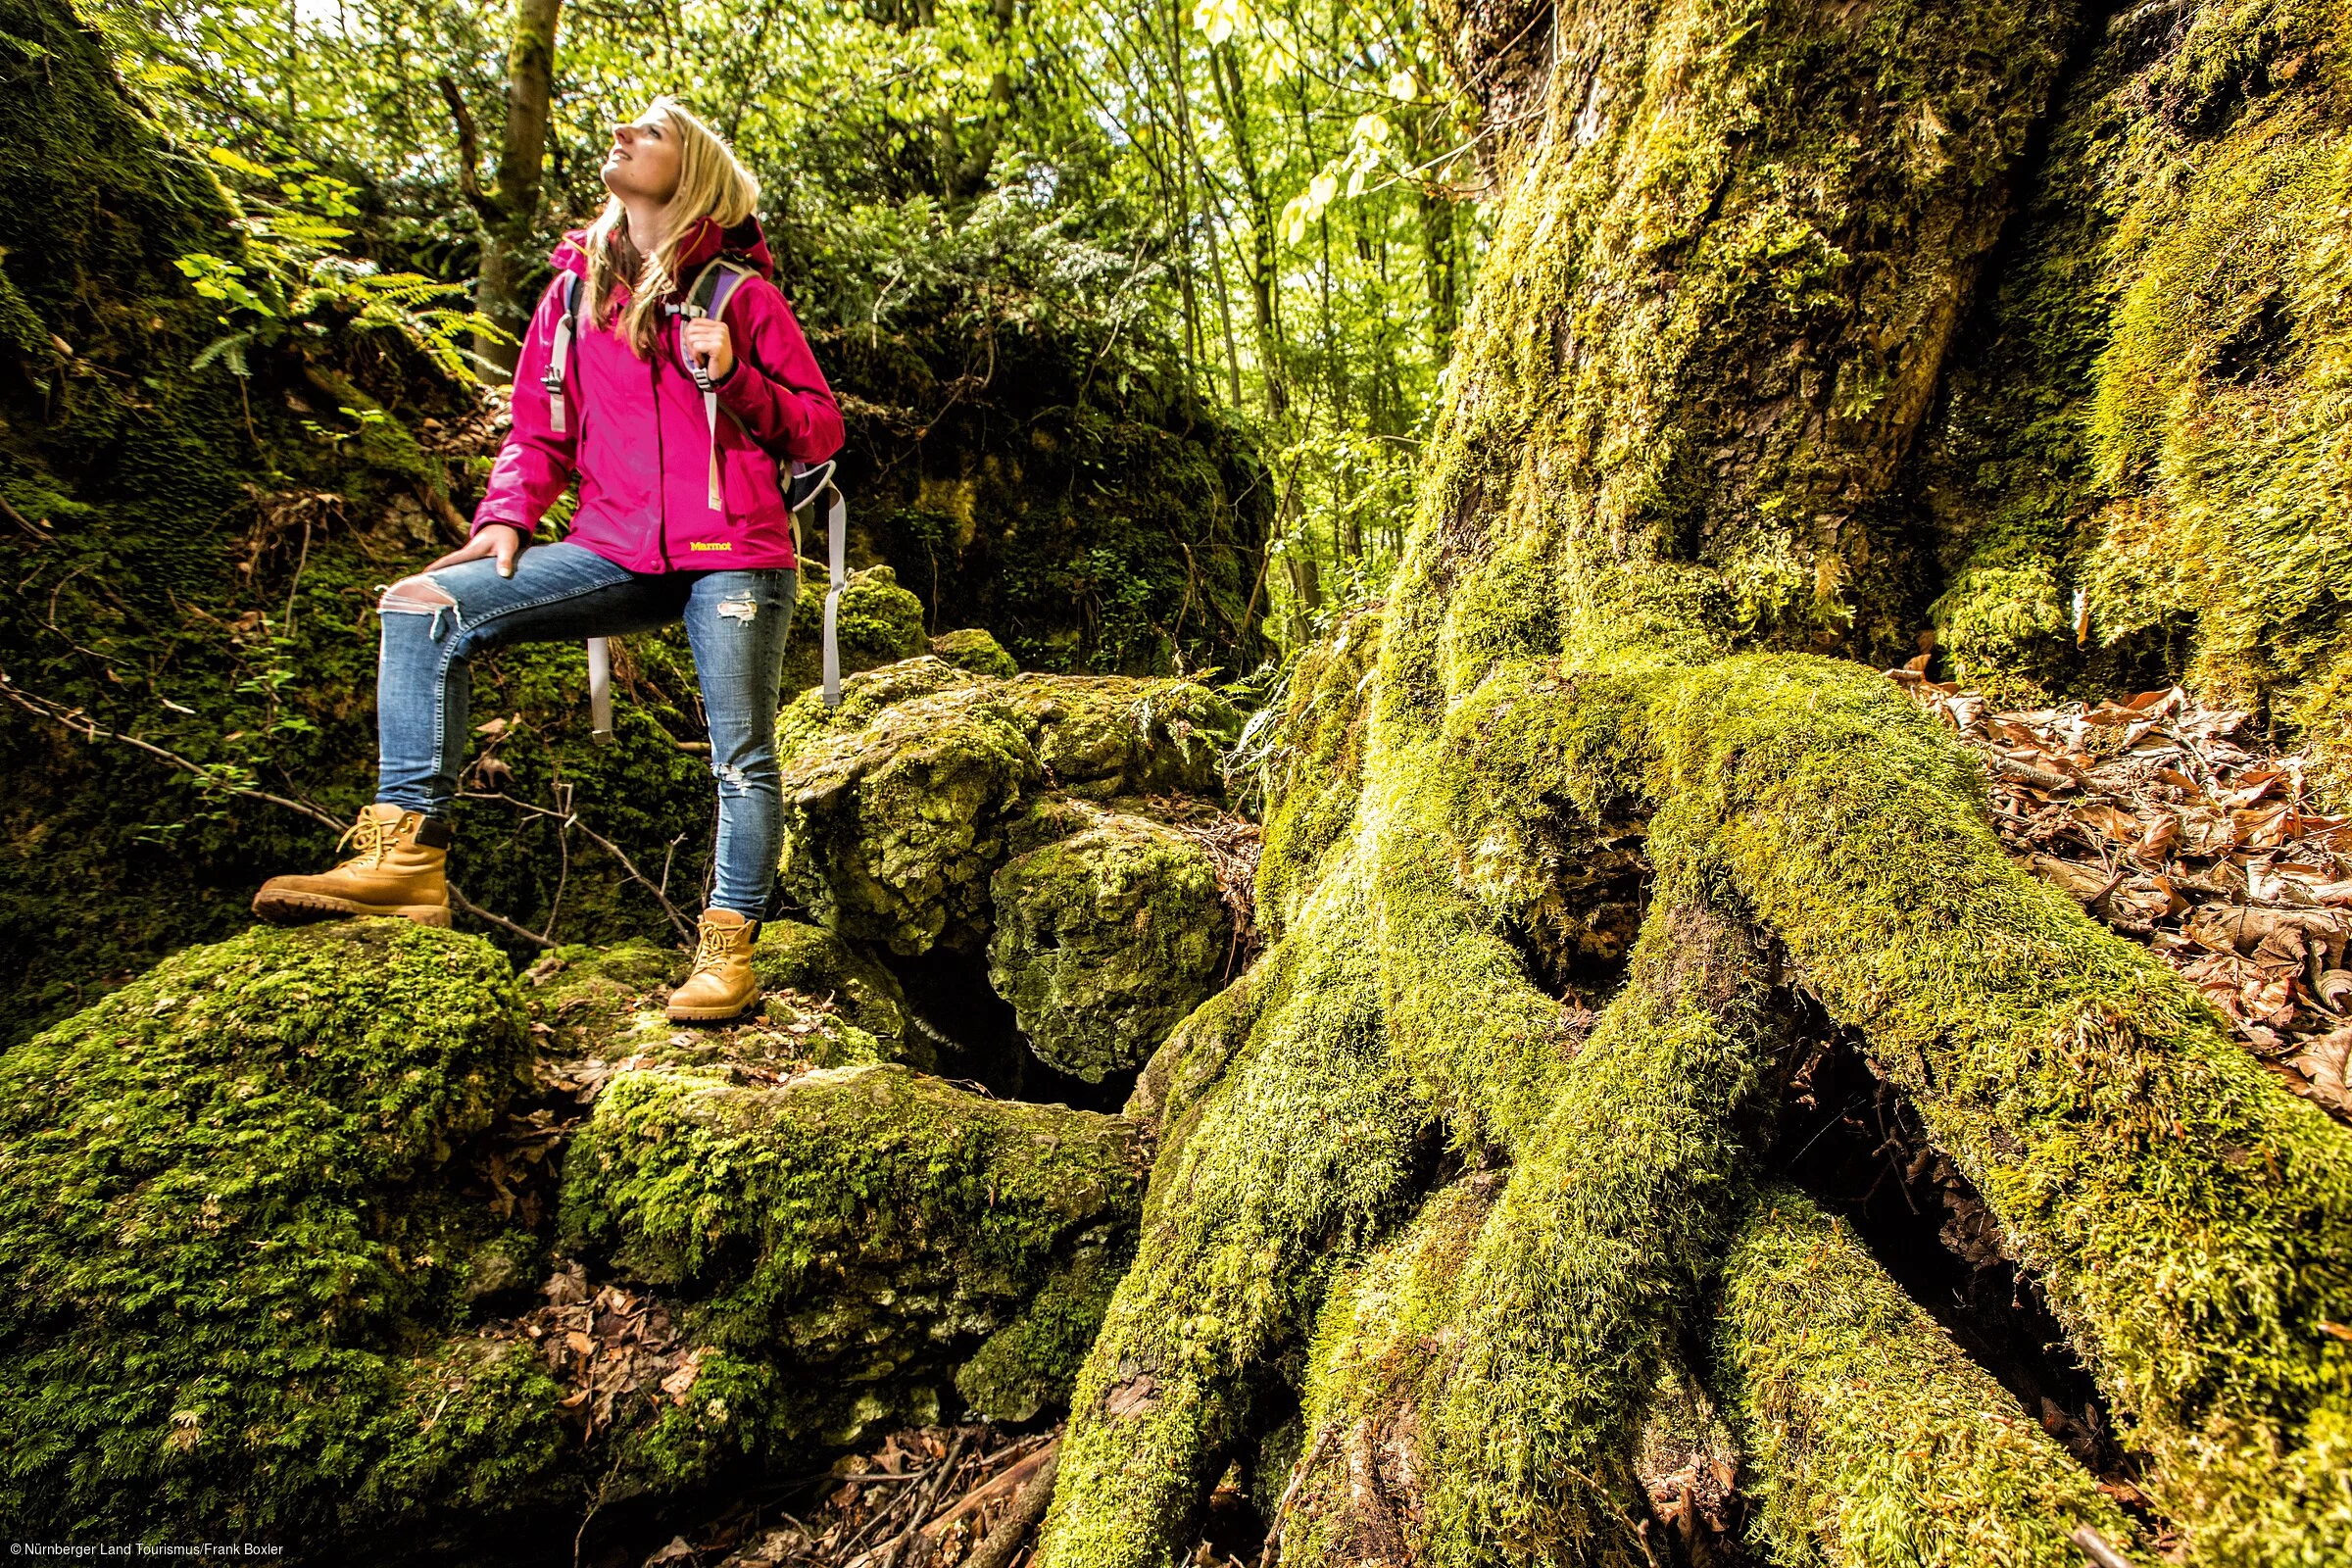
[
  {"x": 712, "y": 287},
  {"x": 566, "y": 326}
]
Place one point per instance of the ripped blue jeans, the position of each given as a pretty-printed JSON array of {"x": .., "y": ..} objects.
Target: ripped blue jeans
[{"x": 735, "y": 621}]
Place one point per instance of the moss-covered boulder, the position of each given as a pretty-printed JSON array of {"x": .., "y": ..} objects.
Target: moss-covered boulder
[
  {"x": 817, "y": 968},
  {"x": 850, "y": 1237},
  {"x": 1031, "y": 458},
  {"x": 878, "y": 622},
  {"x": 1032, "y": 1362},
  {"x": 273, "y": 1217},
  {"x": 976, "y": 651},
  {"x": 900, "y": 803},
  {"x": 231, "y": 1240},
  {"x": 1105, "y": 939},
  {"x": 823, "y": 1005}
]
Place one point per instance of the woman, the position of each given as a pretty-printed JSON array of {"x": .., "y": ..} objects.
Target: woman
[{"x": 680, "y": 518}]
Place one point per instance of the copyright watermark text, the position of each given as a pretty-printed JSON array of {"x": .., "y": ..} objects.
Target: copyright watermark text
[{"x": 130, "y": 1550}]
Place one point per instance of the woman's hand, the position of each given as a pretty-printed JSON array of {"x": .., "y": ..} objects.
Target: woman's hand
[
  {"x": 709, "y": 341},
  {"x": 500, "y": 540}
]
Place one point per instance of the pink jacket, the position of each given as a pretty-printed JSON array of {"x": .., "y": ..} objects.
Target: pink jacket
[{"x": 637, "y": 437}]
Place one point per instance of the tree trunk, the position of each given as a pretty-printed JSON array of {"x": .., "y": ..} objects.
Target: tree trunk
[
  {"x": 511, "y": 211},
  {"x": 1680, "y": 461}
]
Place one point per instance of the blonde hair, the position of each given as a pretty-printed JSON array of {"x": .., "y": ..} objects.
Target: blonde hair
[{"x": 712, "y": 183}]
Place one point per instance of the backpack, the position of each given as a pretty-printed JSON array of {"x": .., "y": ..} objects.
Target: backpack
[{"x": 803, "y": 484}]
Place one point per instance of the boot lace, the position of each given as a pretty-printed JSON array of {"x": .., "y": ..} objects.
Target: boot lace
[
  {"x": 371, "y": 838},
  {"x": 712, "y": 951}
]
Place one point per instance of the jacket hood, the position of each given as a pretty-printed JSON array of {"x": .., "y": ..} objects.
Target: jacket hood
[{"x": 746, "y": 242}]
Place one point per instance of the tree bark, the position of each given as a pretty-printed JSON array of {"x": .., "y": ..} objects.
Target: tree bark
[
  {"x": 509, "y": 210},
  {"x": 1737, "y": 243}
]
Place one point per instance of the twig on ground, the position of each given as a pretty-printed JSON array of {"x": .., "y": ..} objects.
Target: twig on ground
[
  {"x": 1010, "y": 1533},
  {"x": 1290, "y": 1494},
  {"x": 465, "y": 906},
  {"x": 685, "y": 928}
]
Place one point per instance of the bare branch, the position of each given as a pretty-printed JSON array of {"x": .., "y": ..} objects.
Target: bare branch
[
  {"x": 80, "y": 723},
  {"x": 469, "y": 150},
  {"x": 685, "y": 928},
  {"x": 467, "y": 906},
  {"x": 88, "y": 728}
]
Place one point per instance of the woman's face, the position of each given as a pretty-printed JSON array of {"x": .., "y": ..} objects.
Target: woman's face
[{"x": 643, "y": 160}]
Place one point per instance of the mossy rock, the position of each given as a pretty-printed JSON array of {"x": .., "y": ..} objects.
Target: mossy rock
[
  {"x": 588, "y": 996},
  {"x": 866, "y": 1228},
  {"x": 226, "y": 1230},
  {"x": 878, "y": 622},
  {"x": 822, "y": 1006},
  {"x": 975, "y": 651},
  {"x": 1104, "y": 940},
  {"x": 1031, "y": 1364},
  {"x": 900, "y": 803},
  {"x": 817, "y": 968}
]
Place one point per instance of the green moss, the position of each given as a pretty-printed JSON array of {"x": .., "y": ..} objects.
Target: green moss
[
  {"x": 975, "y": 651},
  {"x": 590, "y": 999},
  {"x": 891, "y": 829},
  {"x": 2186, "y": 1217},
  {"x": 1515, "y": 1331},
  {"x": 19, "y": 324},
  {"x": 1196, "y": 1053},
  {"x": 1094, "y": 523},
  {"x": 864, "y": 695},
  {"x": 1312, "y": 748},
  {"x": 1104, "y": 940},
  {"x": 864, "y": 1226},
  {"x": 226, "y": 1229},
  {"x": 1306, "y": 1145},
  {"x": 2149, "y": 410},
  {"x": 878, "y": 622},
  {"x": 1031, "y": 1364},
  {"x": 1368, "y": 1367},
  {"x": 823, "y": 971},
  {"x": 901, "y": 805},
  {"x": 1872, "y": 1438}
]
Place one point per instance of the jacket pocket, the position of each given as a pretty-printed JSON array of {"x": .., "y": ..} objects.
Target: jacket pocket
[{"x": 747, "y": 479}]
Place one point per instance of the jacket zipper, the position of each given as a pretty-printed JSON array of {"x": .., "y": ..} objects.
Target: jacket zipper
[{"x": 653, "y": 369}]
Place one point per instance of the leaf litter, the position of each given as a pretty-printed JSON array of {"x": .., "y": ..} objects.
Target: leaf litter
[
  {"x": 2176, "y": 826},
  {"x": 926, "y": 1497}
]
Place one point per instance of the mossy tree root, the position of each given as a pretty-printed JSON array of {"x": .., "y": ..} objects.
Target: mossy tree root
[
  {"x": 1869, "y": 1436},
  {"x": 1305, "y": 1145},
  {"x": 1515, "y": 1377},
  {"x": 2188, "y": 1220},
  {"x": 1714, "y": 315}
]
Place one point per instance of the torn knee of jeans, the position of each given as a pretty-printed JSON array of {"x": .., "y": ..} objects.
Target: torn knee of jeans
[
  {"x": 419, "y": 595},
  {"x": 732, "y": 780},
  {"x": 744, "y": 610}
]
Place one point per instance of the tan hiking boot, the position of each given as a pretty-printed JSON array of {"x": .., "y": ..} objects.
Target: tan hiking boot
[
  {"x": 722, "y": 985},
  {"x": 397, "y": 869}
]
